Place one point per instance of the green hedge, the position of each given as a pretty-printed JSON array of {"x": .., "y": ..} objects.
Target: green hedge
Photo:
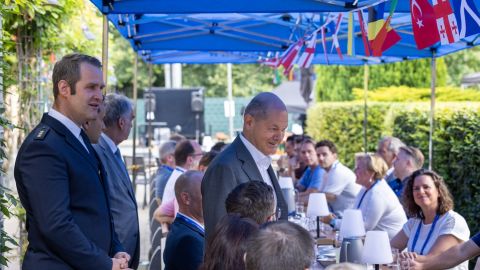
[{"x": 456, "y": 140}]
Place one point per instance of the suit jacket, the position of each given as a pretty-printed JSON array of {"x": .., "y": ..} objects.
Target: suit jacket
[
  {"x": 233, "y": 166},
  {"x": 61, "y": 187},
  {"x": 123, "y": 204},
  {"x": 184, "y": 246}
]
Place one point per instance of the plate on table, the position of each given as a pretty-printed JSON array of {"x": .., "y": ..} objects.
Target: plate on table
[{"x": 326, "y": 255}]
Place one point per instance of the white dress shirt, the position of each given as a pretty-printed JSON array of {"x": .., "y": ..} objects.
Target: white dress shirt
[
  {"x": 69, "y": 124},
  {"x": 263, "y": 161}
]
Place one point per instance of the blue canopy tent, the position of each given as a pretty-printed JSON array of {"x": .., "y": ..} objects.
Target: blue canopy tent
[
  {"x": 228, "y": 6},
  {"x": 247, "y": 31},
  {"x": 246, "y": 38}
]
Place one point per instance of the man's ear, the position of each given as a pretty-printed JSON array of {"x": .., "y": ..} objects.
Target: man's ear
[
  {"x": 121, "y": 122},
  {"x": 184, "y": 196},
  {"x": 64, "y": 88},
  {"x": 245, "y": 257},
  {"x": 248, "y": 120}
]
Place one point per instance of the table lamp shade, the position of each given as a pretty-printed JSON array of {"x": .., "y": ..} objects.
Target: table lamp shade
[
  {"x": 317, "y": 205},
  {"x": 377, "y": 248},
  {"x": 285, "y": 182},
  {"x": 352, "y": 224}
]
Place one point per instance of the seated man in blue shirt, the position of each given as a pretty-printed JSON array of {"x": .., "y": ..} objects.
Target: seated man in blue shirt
[{"x": 311, "y": 179}]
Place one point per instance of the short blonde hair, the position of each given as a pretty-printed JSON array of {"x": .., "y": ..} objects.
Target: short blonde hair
[{"x": 373, "y": 163}]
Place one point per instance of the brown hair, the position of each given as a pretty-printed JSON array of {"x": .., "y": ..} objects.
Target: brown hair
[
  {"x": 445, "y": 201},
  {"x": 68, "y": 69}
]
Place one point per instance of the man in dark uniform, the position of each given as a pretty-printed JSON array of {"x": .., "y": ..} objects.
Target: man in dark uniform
[{"x": 60, "y": 180}]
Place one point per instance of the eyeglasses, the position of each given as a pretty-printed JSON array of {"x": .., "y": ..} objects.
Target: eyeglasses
[{"x": 197, "y": 154}]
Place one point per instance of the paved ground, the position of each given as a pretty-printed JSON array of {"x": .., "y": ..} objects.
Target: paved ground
[{"x": 12, "y": 225}]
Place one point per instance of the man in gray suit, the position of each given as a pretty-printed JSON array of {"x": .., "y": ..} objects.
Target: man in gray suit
[
  {"x": 119, "y": 115},
  {"x": 247, "y": 158}
]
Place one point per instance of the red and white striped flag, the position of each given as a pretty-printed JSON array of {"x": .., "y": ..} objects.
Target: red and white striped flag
[
  {"x": 271, "y": 62},
  {"x": 289, "y": 58},
  {"x": 324, "y": 44},
  {"x": 307, "y": 55},
  {"x": 335, "y": 43}
]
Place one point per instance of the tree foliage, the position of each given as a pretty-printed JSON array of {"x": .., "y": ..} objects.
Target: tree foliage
[
  {"x": 248, "y": 79},
  {"x": 122, "y": 59}
]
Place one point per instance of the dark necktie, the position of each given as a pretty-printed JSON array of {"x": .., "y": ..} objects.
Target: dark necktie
[
  {"x": 89, "y": 149},
  {"x": 118, "y": 156}
]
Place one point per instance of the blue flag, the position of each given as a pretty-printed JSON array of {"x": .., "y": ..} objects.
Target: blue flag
[{"x": 468, "y": 17}]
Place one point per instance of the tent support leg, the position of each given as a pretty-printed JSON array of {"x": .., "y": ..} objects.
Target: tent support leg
[
  {"x": 105, "y": 50},
  {"x": 365, "y": 111},
  {"x": 433, "y": 69},
  {"x": 134, "y": 144},
  {"x": 230, "y": 100}
]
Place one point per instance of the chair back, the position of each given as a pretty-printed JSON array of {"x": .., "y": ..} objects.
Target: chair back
[{"x": 156, "y": 261}]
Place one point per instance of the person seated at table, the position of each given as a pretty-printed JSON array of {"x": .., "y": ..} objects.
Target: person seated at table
[
  {"x": 280, "y": 245},
  {"x": 409, "y": 159},
  {"x": 311, "y": 179},
  {"x": 253, "y": 199},
  {"x": 338, "y": 181},
  {"x": 296, "y": 164},
  {"x": 226, "y": 247},
  {"x": 381, "y": 209},
  {"x": 433, "y": 227},
  {"x": 449, "y": 258}
]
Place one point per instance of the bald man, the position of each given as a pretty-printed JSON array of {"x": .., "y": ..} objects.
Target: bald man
[
  {"x": 185, "y": 241},
  {"x": 247, "y": 158}
]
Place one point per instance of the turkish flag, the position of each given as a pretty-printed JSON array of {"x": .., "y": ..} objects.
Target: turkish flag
[{"x": 424, "y": 23}]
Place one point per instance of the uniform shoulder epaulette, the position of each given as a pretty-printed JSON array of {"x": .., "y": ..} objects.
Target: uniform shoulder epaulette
[{"x": 42, "y": 133}]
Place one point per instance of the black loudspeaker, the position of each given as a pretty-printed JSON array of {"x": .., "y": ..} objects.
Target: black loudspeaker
[
  {"x": 197, "y": 101},
  {"x": 175, "y": 107}
]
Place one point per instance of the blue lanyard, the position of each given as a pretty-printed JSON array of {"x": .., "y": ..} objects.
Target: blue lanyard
[
  {"x": 428, "y": 236},
  {"x": 190, "y": 221},
  {"x": 363, "y": 195}
]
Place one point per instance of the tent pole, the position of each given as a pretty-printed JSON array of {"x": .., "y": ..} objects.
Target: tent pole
[
  {"x": 134, "y": 143},
  {"x": 433, "y": 69},
  {"x": 105, "y": 50},
  {"x": 230, "y": 100},
  {"x": 365, "y": 111},
  {"x": 150, "y": 136}
]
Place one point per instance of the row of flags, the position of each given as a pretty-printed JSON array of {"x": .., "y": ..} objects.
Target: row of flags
[{"x": 440, "y": 21}]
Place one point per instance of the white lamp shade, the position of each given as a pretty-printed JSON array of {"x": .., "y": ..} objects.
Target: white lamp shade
[
  {"x": 377, "y": 248},
  {"x": 352, "y": 224},
  {"x": 285, "y": 182},
  {"x": 317, "y": 205}
]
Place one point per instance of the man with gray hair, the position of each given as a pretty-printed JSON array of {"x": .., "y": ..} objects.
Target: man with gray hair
[
  {"x": 388, "y": 149},
  {"x": 247, "y": 158},
  {"x": 119, "y": 114},
  {"x": 409, "y": 159},
  {"x": 167, "y": 160}
]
